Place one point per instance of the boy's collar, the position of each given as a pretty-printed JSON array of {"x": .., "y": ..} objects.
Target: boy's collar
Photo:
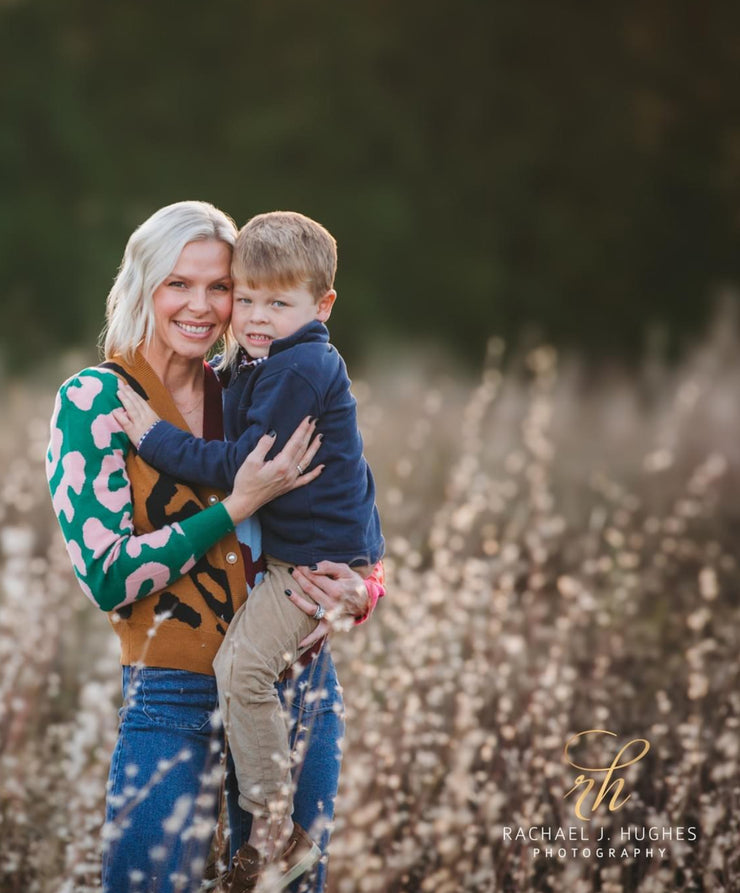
[
  {"x": 246, "y": 362},
  {"x": 312, "y": 332}
]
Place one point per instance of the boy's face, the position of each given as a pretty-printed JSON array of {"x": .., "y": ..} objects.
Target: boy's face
[{"x": 262, "y": 314}]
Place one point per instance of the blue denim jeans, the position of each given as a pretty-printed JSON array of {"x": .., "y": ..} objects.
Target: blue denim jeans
[{"x": 165, "y": 776}]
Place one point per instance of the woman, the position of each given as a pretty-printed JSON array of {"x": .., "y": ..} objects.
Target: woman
[{"x": 163, "y": 558}]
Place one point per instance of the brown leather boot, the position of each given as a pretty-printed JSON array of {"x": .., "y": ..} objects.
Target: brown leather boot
[
  {"x": 300, "y": 854},
  {"x": 244, "y": 871}
]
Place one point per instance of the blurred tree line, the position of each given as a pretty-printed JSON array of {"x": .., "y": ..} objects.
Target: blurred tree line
[{"x": 484, "y": 164}]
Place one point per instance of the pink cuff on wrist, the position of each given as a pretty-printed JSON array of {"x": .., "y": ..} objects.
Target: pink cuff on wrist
[{"x": 375, "y": 590}]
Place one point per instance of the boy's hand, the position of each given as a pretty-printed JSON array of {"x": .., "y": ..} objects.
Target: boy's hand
[{"x": 137, "y": 416}]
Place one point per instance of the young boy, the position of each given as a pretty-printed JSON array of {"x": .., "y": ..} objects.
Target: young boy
[{"x": 281, "y": 369}]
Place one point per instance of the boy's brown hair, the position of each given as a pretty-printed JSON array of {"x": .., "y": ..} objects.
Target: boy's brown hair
[{"x": 285, "y": 248}]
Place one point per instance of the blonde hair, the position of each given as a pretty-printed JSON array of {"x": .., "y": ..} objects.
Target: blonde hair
[
  {"x": 284, "y": 249},
  {"x": 150, "y": 256}
]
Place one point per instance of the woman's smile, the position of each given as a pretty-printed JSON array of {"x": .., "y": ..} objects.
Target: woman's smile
[{"x": 197, "y": 330}]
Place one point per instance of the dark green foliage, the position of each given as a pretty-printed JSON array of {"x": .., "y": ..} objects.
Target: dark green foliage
[{"x": 485, "y": 166}]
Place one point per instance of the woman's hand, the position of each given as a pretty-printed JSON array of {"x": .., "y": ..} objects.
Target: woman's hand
[
  {"x": 137, "y": 417},
  {"x": 338, "y": 589},
  {"x": 258, "y": 481}
]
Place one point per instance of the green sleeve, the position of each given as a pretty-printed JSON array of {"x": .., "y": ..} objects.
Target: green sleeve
[{"x": 91, "y": 495}]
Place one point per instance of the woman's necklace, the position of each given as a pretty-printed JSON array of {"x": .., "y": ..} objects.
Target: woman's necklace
[
  {"x": 189, "y": 410},
  {"x": 192, "y": 413}
]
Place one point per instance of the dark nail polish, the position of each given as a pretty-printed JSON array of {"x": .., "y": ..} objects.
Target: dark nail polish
[
  {"x": 290, "y": 570},
  {"x": 313, "y": 567},
  {"x": 272, "y": 433},
  {"x": 288, "y": 592}
]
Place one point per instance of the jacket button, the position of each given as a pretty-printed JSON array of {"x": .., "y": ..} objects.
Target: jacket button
[
  {"x": 232, "y": 557},
  {"x": 212, "y": 499}
]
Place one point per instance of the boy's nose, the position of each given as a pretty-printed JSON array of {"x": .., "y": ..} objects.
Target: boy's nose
[{"x": 257, "y": 314}]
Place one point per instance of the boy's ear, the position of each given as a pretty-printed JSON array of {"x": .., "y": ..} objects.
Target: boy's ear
[{"x": 324, "y": 305}]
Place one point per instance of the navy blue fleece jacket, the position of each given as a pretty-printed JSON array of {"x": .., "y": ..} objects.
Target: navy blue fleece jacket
[{"x": 333, "y": 518}]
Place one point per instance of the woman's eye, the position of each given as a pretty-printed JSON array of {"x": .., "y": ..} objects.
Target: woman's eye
[
  {"x": 221, "y": 286},
  {"x": 176, "y": 283}
]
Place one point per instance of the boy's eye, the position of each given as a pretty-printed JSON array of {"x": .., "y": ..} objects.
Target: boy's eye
[
  {"x": 279, "y": 304},
  {"x": 243, "y": 301}
]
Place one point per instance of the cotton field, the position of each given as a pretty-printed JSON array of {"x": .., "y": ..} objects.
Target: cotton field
[{"x": 562, "y": 557}]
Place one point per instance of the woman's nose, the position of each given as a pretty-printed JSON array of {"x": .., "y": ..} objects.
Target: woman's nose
[{"x": 198, "y": 299}]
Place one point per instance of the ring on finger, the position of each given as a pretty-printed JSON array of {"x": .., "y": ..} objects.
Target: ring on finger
[
  {"x": 300, "y": 470},
  {"x": 319, "y": 613}
]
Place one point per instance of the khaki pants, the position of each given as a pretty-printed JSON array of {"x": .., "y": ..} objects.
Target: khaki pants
[{"x": 260, "y": 644}]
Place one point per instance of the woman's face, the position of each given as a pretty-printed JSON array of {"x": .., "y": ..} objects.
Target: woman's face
[{"x": 192, "y": 306}]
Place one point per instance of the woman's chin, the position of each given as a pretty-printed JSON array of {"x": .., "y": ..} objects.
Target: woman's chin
[{"x": 195, "y": 348}]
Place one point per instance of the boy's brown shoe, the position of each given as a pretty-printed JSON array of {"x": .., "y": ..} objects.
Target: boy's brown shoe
[
  {"x": 300, "y": 855},
  {"x": 244, "y": 873}
]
